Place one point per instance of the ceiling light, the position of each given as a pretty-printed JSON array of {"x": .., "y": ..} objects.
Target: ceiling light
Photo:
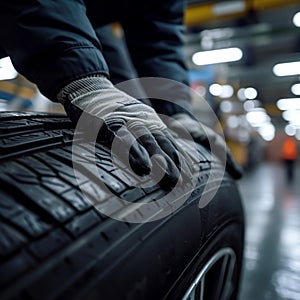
[
  {"x": 290, "y": 130},
  {"x": 241, "y": 94},
  {"x": 288, "y": 103},
  {"x": 287, "y": 69},
  {"x": 295, "y": 89},
  {"x": 227, "y": 91},
  {"x": 267, "y": 132},
  {"x": 233, "y": 121},
  {"x": 226, "y": 106},
  {"x": 207, "y": 43},
  {"x": 291, "y": 115},
  {"x": 217, "y": 56},
  {"x": 257, "y": 117},
  {"x": 222, "y": 91},
  {"x": 250, "y": 105},
  {"x": 250, "y": 93},
  {"x": 228, "y": 7},
  {"x": 215, "y": 89},
  {"x": 218, "y": 33},
  {"x": 268, "y": 137},
  {"x": 296, "y": 19},
  {"x": 7, "y": 70},
  {"x": 295, "y": 124}
]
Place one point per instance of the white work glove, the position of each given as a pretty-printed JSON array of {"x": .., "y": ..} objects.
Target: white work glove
[
  {"x": 129, "y": 122},
  {"x": 207, "y": 137}
]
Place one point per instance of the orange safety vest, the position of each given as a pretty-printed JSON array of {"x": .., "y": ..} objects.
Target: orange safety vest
[{"x": 289, "y": 149}]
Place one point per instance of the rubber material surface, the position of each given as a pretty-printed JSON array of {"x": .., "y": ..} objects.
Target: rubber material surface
[{"x": 55, "y": 245}]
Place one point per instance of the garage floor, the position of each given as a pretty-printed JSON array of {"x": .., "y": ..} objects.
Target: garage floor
[{"x": 272, "y": 254}]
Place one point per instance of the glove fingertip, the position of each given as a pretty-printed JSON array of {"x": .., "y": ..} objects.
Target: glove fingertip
[{"x": 139, "y": 160}]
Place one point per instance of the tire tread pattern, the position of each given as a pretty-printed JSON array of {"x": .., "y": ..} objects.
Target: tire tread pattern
[{"x": 46, "y": 224}]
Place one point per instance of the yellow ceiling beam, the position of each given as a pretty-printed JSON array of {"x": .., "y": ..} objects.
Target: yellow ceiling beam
[
  {"x": 272, "y": 110},
  {"x": 200, "y": 14},
  {"x": 205, "y": 13},
  {"x": 269, "y": 4},
  {"x": 195, "y": 15}
]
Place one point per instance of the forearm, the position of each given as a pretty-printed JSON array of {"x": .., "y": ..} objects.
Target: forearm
[
  {"x": 155, "y": 42},
  {"x": 50, "y": 42}
]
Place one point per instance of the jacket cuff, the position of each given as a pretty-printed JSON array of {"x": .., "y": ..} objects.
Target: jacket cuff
[
  {"x": 68, "y": 66},
  {"x": 83, "y": 86}
]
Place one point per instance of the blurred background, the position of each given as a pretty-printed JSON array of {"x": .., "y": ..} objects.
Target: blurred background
[{"x": 244, "y": 59}]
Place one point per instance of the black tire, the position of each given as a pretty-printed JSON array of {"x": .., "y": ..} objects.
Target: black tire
[{"x": 55, "y": 245}]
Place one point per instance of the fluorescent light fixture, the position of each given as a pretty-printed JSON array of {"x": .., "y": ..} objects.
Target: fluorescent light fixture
[
  {"x": 217, "y": 56},
  {"x": 295, "y": 89},
  {"x": 7, "y": 70},
  {"x": 228, "y": 7},
  {"x": 250, "y": 93},
  {"x": 287, "y": 69},
  {"x": 288, "y": 103},
  {"x": 296, "y": 19},
  {"x": 217, "y": 33},
  {"x": 257, "y": 117},
  {"x": 295, "y": 123},
  {"x": 291, "y": 115}
]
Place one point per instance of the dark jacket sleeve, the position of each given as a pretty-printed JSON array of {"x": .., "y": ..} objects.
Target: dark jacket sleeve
[
  {"x": 50, "y": 42},
  {"x": 155, "y": 43}
]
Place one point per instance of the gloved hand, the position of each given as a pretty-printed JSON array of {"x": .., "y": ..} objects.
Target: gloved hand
[
  {"x": 130, "y": 123},
  {"x": 204, "y": 136}
]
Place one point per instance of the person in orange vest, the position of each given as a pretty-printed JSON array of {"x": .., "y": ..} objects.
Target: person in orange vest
[{"x": 289, "y": 155}]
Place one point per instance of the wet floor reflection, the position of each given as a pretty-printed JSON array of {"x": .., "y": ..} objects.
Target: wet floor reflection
[{"x": 272, "y": 253}]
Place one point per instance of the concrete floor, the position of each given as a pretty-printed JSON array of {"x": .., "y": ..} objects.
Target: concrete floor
[{"x": 272, "y": 252}]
